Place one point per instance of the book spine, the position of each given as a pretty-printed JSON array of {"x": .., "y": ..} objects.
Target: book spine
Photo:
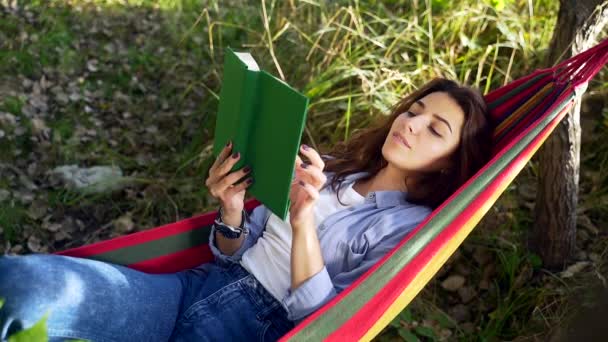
[{"x": 247, "y": 112}]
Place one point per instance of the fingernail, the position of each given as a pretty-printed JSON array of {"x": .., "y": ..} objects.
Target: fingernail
[
  {"x": 301, "y": 183},
  {"x": 304, "y": 165},
  {"x": 228, "y": 143},
  {"x": 235, "y": 155},
  {"x": 247, "y": 169},
  {"x": 305, "y": 147},
  {"x": 250, "y": 181}
]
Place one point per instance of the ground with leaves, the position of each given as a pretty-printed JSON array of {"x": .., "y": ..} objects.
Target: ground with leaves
[{"x": 94, "y": 83}]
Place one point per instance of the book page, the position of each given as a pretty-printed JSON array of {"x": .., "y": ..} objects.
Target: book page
[{"x": 248, "y": 60}]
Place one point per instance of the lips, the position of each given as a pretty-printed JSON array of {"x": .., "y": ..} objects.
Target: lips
[{"x": 402, "y": 139}]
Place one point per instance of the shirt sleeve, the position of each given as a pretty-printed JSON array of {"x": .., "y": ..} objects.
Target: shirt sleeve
[
  {"x": 254, "y": 223},
  {"x": 321, "y": 288}
]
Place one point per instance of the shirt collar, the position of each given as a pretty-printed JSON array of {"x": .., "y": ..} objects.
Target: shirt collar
[{"x": 382, "y": 199}]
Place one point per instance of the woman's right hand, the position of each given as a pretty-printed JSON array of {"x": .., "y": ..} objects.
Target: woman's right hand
[{"x": 223, "y": 185}]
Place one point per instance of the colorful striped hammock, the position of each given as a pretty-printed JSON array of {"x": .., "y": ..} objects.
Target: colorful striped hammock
[{"x": 526, "y": 112}]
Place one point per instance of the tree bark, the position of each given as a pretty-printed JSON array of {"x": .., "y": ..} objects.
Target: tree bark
[{"x": 554, "y": 233}]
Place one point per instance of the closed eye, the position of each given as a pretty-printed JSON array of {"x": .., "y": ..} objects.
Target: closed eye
[
  {"x": 434, "y": 131},
  {"x": 410, "y": 114}
]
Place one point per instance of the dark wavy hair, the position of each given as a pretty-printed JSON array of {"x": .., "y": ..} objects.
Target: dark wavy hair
[{"x": 363, "y": 151}]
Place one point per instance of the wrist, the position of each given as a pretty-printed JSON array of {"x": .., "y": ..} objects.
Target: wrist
[
  {"x": 233, "y": 219},
  {"x": 303, "y": 227}
]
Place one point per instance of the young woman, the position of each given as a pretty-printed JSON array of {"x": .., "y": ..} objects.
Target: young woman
[{"x": 348, "y": 209}]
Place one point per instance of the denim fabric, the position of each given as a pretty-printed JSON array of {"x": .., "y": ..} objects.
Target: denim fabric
[{"x": 98, "y": 301}]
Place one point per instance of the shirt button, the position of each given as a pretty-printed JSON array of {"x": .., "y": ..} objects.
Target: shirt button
[{"x": 371, "y": 196}]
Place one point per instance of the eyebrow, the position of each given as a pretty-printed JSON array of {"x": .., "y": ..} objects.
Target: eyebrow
[{"x": 421, "y": 104}]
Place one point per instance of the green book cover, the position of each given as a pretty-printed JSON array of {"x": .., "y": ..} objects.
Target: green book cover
[{"x": 264, "y": 117}]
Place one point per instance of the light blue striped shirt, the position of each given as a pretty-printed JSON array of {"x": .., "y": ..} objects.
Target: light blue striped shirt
[{"x": 352, "y": 241}]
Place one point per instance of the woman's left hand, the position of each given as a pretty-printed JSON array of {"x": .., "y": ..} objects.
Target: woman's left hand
[{"x": 305, "y": 189}]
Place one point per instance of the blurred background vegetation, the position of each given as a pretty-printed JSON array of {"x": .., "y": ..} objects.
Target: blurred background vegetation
[{"x": 134, "y": 84}]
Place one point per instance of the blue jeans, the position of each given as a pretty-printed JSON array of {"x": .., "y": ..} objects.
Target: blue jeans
[{"x": 98, "y": 301}]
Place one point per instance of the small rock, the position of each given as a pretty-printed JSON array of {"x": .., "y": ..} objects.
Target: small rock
[
  {"x": 27, "y": 83},
  {"x": 33, "y": 243},
  {"x": 92, "y": 65},
  {"x": 124, "y": 224},
  {"x": 96, "y": 179},
  {"x": 7, "y": 119},
  {"x": 152, "y": 129},
  {"x": 453, "y": 282},
  {"x": 466, "y": 293},
  {"x": 62, "y": 98},
  {"x": 52, "y": 227},
  {"x": 460, "y": 313},
  {"x": 482, "y": 256},
  {"x": 462, "y": 269},
  {"x": 574, "y": 269},
  {"x": 4, "y": 195},
  {"x": 74, "y": 97},
  {"x": 61, "y": 235},
  {"x": 586, "y": 222},
  {"x": 37, "y": 209},
  {"x": 24, "y": 197},
  {"x": 16, "y": 249},
  {"x": 594, "y": 257},
  {"x": 468, "y": 327},
  {"x": 582, "y": 235},
  {"x": 581, "y": 255}
]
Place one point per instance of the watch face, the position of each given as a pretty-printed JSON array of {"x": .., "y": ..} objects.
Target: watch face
[{"x": 227, "y": 232}]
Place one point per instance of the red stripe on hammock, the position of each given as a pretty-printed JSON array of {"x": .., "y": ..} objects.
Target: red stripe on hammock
[
  {"x": 175, "y": 262},
  {"x": 520, "y": 126},
  {"x": 157, "y": 233},
  {"x": 367, "y": 315},
  {"x": 500, "y": 92},
  {"x": 365, "y": 318},
  {"x": 512, "y": 104}
]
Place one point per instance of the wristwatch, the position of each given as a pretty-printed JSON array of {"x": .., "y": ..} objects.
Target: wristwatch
[{"x": 228, "y": 231}]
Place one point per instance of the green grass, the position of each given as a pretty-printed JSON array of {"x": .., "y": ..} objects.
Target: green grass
[{"x": 12, "y": 218}]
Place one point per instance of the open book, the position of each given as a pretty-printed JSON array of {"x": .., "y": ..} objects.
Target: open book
[{"x": 264, "y": 117}]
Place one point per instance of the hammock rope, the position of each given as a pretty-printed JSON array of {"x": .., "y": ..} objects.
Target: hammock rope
[{"x": 526, "y": 111}]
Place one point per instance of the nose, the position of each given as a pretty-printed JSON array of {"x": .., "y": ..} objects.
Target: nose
[{"x": 413, "y": 124}]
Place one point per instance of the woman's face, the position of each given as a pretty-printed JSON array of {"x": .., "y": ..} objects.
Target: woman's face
[{"x": 423, "y": 138}]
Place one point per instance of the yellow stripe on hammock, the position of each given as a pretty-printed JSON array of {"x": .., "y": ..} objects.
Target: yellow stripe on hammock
[
  {"x": 438, "y": 260},
  {"x": 525, "y": 108}
]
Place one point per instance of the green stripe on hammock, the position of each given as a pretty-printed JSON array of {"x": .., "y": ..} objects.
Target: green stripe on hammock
[
  {"x": 155, "y": 248},
  {"x": 341, "y": 311}
]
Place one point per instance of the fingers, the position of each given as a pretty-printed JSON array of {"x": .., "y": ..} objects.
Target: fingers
[
  {"x": 314, "y": 175},
  {"x": 235, "y": 189},
  {"x": 222, "y": 169},
  {"x": 313, "y": 156},
  {"x": 220, "y": 182},
  {"x": 311, "y": 192},
  {"x": 225, "y": 152},
  {"x": 311, "y": 172},
  {"x": 231, "y": 179}
]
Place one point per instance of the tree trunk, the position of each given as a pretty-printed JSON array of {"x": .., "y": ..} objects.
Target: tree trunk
[{"x": 554, "y": 233}]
